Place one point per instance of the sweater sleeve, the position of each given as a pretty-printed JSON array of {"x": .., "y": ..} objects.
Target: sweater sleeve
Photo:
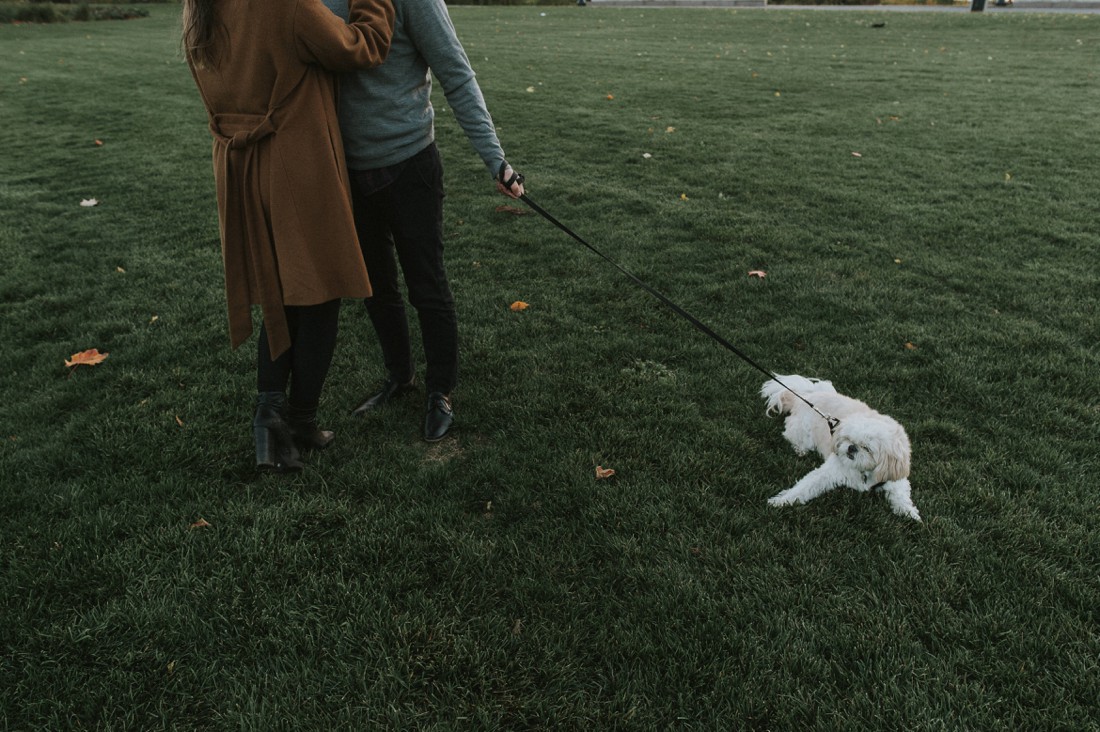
[
  {"x": 362, "y": 42},
  {"x": 430, "y": 27}
]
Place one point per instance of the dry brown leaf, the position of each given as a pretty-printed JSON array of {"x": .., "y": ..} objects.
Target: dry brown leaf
[
  {"x": 179, "y": 421},
  {"x": 518, "y": 305},
  {"x": 200, "y": 524},
  {"x": 603, "y": 473},
  {"x": 86, "y": 358},
  {"x": 910, "y": 346},
  {"x": 512, "y": 210}
]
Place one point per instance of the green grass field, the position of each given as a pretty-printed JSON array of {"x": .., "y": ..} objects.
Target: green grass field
[{"x": 947, "y": 275}]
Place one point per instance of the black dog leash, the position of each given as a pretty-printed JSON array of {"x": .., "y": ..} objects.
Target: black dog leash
[{"x": 700, "y": 325}]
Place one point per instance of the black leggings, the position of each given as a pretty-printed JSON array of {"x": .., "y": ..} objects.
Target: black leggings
[{"x": 305, "y": 364}]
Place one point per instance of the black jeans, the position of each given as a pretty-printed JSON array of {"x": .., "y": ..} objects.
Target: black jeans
[{"x": 403, "y": 223}]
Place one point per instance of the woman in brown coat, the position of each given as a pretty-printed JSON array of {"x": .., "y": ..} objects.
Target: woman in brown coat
[{"x": 288, "y": 236}]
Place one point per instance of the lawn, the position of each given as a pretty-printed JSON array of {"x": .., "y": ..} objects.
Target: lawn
[{"x": 922, "y": 198}]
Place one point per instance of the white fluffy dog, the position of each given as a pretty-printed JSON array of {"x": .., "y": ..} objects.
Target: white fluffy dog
[{"x": 866, "y": 450}]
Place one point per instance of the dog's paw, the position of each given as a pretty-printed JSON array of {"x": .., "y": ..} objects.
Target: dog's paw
[
  {"x": 782, "y": 499},
  {"x": 910, "y": 512}
]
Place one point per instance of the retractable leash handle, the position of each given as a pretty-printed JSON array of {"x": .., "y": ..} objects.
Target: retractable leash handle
[{"x": 700, "y": 325}]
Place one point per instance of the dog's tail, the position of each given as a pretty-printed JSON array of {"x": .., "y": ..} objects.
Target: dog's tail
[{"x": 779, "y": 397}]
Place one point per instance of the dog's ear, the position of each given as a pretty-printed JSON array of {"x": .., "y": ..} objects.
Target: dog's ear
[{"x": 892, "y": 463}]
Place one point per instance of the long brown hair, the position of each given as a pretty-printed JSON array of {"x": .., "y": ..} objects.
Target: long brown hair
[{"x": 199, "y": 32}]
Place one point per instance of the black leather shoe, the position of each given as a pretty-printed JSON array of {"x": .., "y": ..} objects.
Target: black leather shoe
[
  {"x": 439, "y": 418},
  {"x": 389, "y": 390}
]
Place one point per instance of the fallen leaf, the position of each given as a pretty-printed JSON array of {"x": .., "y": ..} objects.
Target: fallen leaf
[
  {"x": 683, "y": 196},
  {"x": 518, "y": 305},
  {"x": 517, "y": 627},
  {"x": 778, "y": 94},
  {"x": 1008, "y": 177},
  {"x": 603, "y": 473},
  {"x": 857, "y": 155},
  {"x": 759, "y": 273},
  {"x": 530, "y": 90},
  {"x": 200, "y": 524},
  {"x": 87, "y": 358},
  {"x": 154, "y": 319},
  {"x": 99, "y": 143},
  {"x": 179, "y": 421},
  {"x": 89, "y": 202},
  {"x": 670, "y": 129},
  {"x": 513, "y": 210},
  {"x": 647, "y": 156},
  {"x": 910, "y": 346},
  {"x": 610, "y": 97},
  {"x": 120, "y": 269},
  {"x": 897, "y": 261}
]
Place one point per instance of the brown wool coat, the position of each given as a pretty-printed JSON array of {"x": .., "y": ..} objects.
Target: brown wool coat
[{"x": 288, "y": 236}]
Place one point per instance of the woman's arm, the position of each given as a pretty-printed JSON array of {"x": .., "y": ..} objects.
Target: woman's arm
[{"x": 362, "y": 42}]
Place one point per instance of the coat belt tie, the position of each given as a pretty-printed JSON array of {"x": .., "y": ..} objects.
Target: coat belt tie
[{"x": 255, "y": 264}]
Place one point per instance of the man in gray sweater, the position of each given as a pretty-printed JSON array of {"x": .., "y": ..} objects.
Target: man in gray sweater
[{"x": 387, "y": 122}]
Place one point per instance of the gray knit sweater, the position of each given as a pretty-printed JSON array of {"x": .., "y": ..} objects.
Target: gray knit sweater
[{"x": 386, "y": 113}]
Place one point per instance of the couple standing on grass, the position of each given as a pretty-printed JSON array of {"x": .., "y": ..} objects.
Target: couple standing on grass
[{"x": 301, "y": 225}]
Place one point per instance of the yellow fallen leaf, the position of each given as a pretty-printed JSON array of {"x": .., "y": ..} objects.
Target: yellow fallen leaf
[
  {"x": 603, "y": 473},
  {"x": 518, "y": 305},
  {"x": 670, "y": 129},
  {"x": 86, "y": 358},
  {"x": 683, "y": 196}
]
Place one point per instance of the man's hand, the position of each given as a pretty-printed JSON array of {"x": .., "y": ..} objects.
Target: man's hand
[{"x": 508, "y": 176}]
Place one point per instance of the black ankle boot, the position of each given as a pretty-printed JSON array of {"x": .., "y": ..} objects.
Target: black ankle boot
[
  {"x": 275, "y": 448},
  {"x": 304, "y": 429}
]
